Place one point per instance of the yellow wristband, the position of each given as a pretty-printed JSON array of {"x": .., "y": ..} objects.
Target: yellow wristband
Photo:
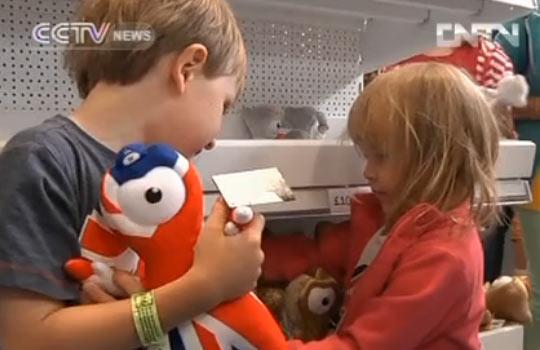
[{"x": 146, "y": 318}]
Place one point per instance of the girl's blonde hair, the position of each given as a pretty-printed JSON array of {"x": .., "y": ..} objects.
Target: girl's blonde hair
[{"x": 438, "y": 124}]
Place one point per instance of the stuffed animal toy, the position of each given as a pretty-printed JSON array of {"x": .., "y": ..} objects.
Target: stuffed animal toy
[
  {"x": 508, "y": 298},
  {"x": 306, "y": 307},
  {"x": 152, "y": 209},
  {"x": 303, "y": 123},
  {"x": 511, "y": 91},
  {"x": 263, "y": 121},
  {"x": 273, "y": 298},
  {"x": 489, "y": 66},
  {"x": 275, "y": 122}
]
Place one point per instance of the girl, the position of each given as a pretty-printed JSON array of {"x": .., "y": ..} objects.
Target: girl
[{"x": 410, "y": 256}]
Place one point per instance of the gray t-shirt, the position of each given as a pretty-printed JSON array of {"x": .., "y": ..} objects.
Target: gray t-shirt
[{"x": 50, "y": 178}]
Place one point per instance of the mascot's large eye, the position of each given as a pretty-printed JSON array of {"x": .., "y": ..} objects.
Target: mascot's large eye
[
  {"x": 321, "y": 300},
  {"x": 154, "y": 198},
  {"x": 153, "y": 195}
]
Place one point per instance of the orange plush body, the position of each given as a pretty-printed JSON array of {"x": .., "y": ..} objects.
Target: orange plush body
[{"x": 152, "y": 210}]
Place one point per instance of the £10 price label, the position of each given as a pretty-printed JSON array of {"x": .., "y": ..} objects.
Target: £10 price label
[{"x": 340, "y": 198}]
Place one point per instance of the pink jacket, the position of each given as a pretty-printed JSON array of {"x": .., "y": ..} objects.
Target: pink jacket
[{"x": 424, "y": 290}]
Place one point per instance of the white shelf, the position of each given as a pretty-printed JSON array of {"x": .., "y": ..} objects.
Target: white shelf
[
  {"x": 317, "y": 202},
  {"x": 312, "y": 168},
  {"x": 516, "y": 159},
  {"x": 315, "y": 164},
  {"x": 304, "y": 163},
  {"x": 505, "y": 338}
]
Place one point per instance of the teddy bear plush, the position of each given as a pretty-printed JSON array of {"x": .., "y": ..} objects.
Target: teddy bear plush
[{"x": 508, "y": 299}]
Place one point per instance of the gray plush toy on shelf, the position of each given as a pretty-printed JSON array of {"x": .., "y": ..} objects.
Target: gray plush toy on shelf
[{"x": 277, "y": 122}]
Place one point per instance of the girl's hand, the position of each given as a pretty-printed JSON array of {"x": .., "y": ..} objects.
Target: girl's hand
[{"x": 128, "y": 283}]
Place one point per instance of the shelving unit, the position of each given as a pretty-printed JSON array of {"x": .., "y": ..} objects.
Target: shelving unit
[
  {"x": 316, "y": 170},
  {"x": 302, "y": 52}
]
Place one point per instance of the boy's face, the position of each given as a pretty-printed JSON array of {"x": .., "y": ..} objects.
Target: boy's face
[
  {"x": 192, "y": 115},
  {"x": 200, "y": 116},
  {"x": 382, "y": 173}
]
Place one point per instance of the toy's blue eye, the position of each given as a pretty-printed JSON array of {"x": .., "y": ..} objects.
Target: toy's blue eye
[{"x": 131, "y": 158}]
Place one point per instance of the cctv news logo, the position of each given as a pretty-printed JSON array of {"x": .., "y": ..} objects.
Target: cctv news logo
[
  {"x": 454, "y": 34},
  {"x": 91, "y": 36}
]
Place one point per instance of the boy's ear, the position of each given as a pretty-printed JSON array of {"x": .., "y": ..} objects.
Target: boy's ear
[{"x": 187, "y": 64}]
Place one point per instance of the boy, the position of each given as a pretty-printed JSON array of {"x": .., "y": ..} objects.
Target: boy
[{"x": 175, "y": 92}]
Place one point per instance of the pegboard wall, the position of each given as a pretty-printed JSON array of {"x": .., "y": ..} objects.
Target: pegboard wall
[
  {"x": 297, "y": 65},
  {"x": 290, "y": 64},
  {"x": 32, "y": 79}
]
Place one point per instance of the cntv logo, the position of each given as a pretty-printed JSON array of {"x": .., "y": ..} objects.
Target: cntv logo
[{"x": 454, "y": 34}]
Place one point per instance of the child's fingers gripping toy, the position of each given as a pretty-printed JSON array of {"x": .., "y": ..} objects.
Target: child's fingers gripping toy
[
  {"x": 240, "y": 217},
  {"x": 151, "y": 208}
]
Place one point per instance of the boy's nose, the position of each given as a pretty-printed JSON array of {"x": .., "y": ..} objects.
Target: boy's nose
[{"x": 210, "y": 145}]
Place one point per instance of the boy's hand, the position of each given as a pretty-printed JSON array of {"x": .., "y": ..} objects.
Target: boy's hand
[
  {"x": 129, "y": 284},
  {"x": 230, "y": 265}
]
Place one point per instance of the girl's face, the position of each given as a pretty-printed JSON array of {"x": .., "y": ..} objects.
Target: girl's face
[{"x": 383, "y": 173}]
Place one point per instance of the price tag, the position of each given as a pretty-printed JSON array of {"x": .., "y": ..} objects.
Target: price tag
[{"x": 340, "y": 198}]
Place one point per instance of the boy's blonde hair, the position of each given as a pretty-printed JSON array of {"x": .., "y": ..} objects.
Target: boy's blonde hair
[
  {"x": 438, "y": 124},
  {"x": 176, "y": 24}
]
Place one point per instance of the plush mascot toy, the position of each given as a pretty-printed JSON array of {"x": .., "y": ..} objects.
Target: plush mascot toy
[
  {"x": 508, "y": 298},
  {"x": 307, "y": 306},
  {"x": 152, "y": 211}
]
